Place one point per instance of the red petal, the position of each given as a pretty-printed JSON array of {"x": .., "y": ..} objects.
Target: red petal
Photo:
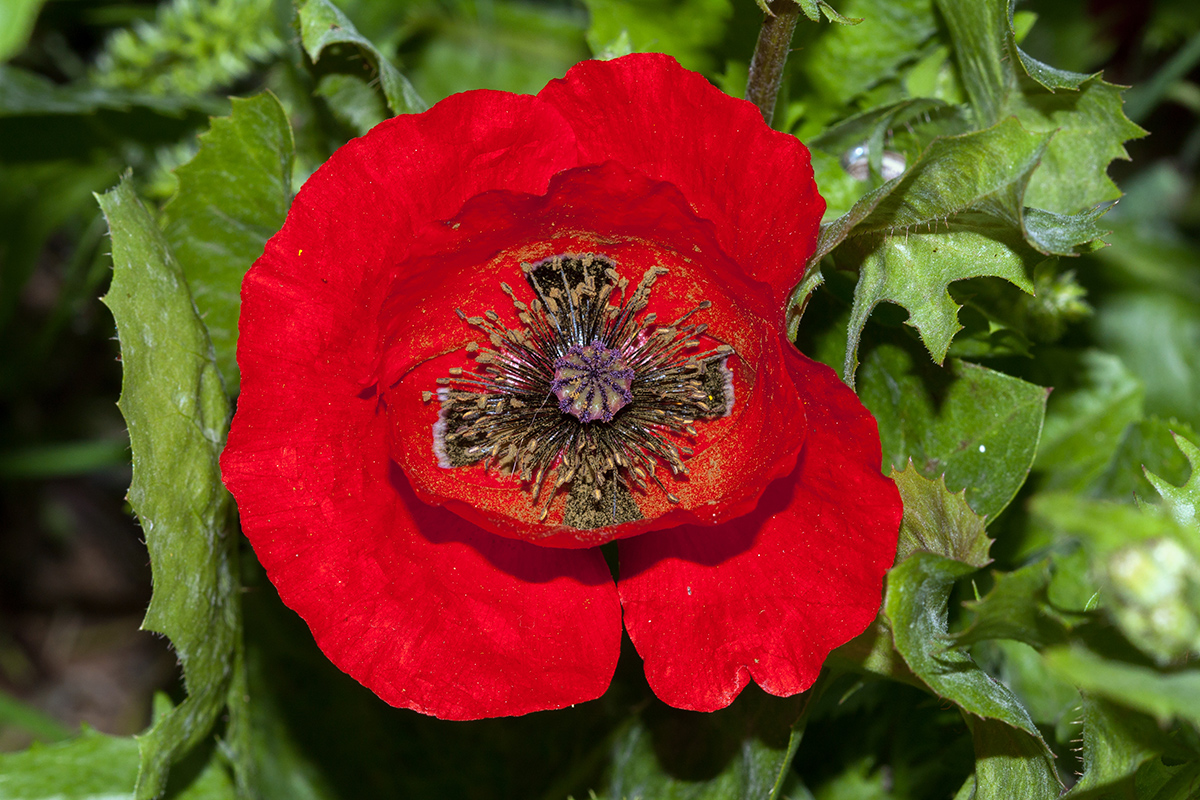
[
  {"x": 753, "y": 183},
  {"x": 352, "y": 224},
  {"x": 428, "y": 611},
  {"x": 425, "y": 609},
  {"x": 769, "y": 595}
]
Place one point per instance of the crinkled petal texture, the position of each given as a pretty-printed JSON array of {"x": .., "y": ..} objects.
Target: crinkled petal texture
[
  {"x": 768, "y": 595},
  {"x": 435, "y": 587}
]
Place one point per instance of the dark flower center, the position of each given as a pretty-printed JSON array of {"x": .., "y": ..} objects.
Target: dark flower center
[{"x": 591, "y": 395}]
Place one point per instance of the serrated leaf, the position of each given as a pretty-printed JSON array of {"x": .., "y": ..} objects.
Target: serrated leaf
[
  {"x": 937, "y": 521},
  {"x": 1084, "y": 425},
  {"x": 1164, "y": 696},
  {"x": 1015, "y": 608},
  {"x": 1084, "y": 111},
  {"x": 845, "y": 61},
  {"x": 1009, "y": 763},
  {"x": 957, "y": 213},
  {"x": 1147, "y": 445},
  {"x": 1116, "y": 742},
  {"x": 93, "y": 766},
  {"x": 177, "y": 412},
  {"x": 984, "y": 171},
  {"x": 232, "y": 197},
  {"x": 813, "y": 9},
  {"x": 322, "y": 25},
  {"x": 1182, "y": 502},
  {"x": 981, "y": 433},
  {"x": 685, "y": 29},
  {"x": 915, "y": 606},
  {"x": 1089, "y": 127},
  {"x": 670, "y": 754},
  {"x": 915, "y": 272}
]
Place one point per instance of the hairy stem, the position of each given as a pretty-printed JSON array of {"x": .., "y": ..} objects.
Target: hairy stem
[{"x": 766, "y": 67}]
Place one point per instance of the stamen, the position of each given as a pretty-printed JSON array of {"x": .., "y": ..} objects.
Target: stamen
[{"x": 587, "y": 395}]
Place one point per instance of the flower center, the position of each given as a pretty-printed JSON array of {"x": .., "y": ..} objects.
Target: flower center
[
  {"x": 592, "y": 382},
  {"x": 590, "y": 395}
]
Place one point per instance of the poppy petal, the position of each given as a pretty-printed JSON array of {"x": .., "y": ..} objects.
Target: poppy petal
[
  {"x": 753, "y": 183},
  {"x": 428, "y": 611},
  {"x": 767, "y": 596}
]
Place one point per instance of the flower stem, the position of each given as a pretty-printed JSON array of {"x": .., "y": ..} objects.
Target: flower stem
[{"x": 766, "y": 67}]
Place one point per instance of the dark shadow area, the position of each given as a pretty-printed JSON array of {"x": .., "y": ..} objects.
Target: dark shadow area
[
  {"x": 697, "y": 746},
  {"x": 906, "y": 742}
]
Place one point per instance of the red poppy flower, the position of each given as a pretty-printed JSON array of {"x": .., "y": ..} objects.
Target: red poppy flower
[{"x": 497, "y": 334}]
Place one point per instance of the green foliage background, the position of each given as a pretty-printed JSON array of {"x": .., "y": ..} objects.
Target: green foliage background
[{"x": 1040, "y": 630}]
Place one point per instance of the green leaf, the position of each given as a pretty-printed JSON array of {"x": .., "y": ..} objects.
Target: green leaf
[
  {"x": 190, "y": 48},
  {"x": 1016, "y": 608},
  {"x": 914, "y": 272},
  {"x": 1147, "y": 565},
  {"x": 322, "y": 25},
  {"x": 19, "y": 16},
  {"x": 1009, "y": 763},
  {"x": 1147, "y": 446},
  {"x": 813, "y": 10},
  {"x": 513, "y": 47},
  {"x": 232, "y": 197},
  {"x": 985, "y": 171},
  {"x": 957, "y": 213},
  {"x": 1088, "y": 128},
  {"x": 743, "y": 752},
  {"x": 1116, "y": 742},
  {"x": 978, "y": 29},
  {"x": 25, "y": 93},
  {"x": 915, "y": 605},
  {"x": 352, "y": 101},
  {"x": 1155, "y": 334},
  {"x": 1085, "y": 424},
  {"x": 94, "y": 766},
  {"x": 1082, "y": 111},
  {"x": 981, "y": 432},
  {"x": 685, "y": 29},
  {"x": 1157, "y": 781},
  {"x": 936, "y": 521},
  {"x": 177, "y": 412},
  {"x": 1165, "y": 696},
  {"x": 1051, "y": 702},
  {"x": 1183, "y": 501},
  {"x": 845, "y": 61},
  {"x": 1064, "y": 234}
]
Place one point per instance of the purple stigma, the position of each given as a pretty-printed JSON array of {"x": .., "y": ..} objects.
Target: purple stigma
[{"x": 592, "y": 382}]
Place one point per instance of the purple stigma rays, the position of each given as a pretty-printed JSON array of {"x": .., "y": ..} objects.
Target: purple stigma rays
[{"x": 592, "y": 382}]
